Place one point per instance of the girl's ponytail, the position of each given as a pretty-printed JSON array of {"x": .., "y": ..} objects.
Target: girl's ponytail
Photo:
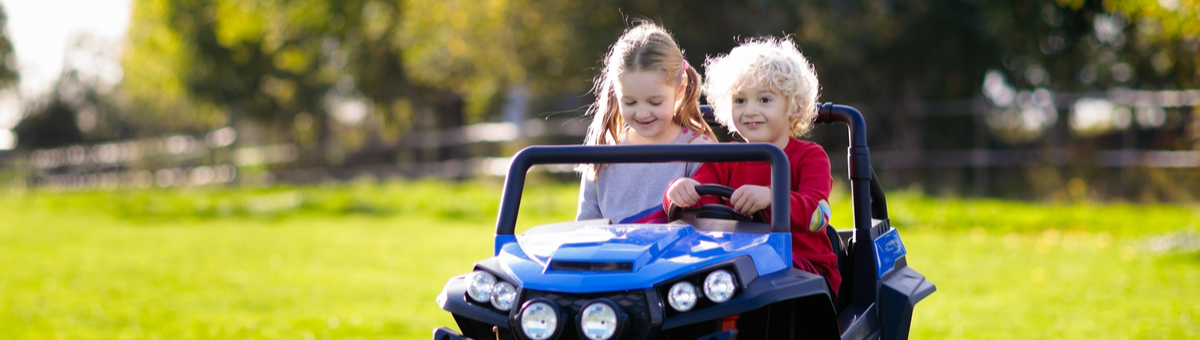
[
  {"x": 644, "y": 47},
  {"x": 687, "y": 113}
]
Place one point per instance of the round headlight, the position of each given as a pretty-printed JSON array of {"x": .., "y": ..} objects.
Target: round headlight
[
  {"x": 503, "y": 294},
  {"x": 480, "y": 285},
  {"x": 718, "y": 286},
  {"x": 598, "y": 321},
  {"x": 682, "y": 296},
  {"x": 539, "y": 320}
]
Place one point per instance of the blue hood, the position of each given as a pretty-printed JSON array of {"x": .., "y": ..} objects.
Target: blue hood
[{"x": 597, "y": 258}]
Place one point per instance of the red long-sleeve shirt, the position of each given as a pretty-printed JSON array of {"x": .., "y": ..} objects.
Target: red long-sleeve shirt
[{"x": 810, "y": 184}]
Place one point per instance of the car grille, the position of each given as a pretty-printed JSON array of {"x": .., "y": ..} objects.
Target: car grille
[{"x": 633, "y": 303}]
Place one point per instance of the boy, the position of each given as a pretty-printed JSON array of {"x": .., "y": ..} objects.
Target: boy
[{"x": 766, "y": 91}]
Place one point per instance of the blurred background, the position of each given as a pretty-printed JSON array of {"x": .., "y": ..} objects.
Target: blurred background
[
  {"x": 1054, "y": 100},
  {"x": 317, "y": 169}
]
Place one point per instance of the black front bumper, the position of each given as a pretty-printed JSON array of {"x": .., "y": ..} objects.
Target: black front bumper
[
  {"x": 645, "y": 309},
  {"x": 443, "y": 333}
]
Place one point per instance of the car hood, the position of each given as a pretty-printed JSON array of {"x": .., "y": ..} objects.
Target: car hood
[{"x": 598, "y": 257}]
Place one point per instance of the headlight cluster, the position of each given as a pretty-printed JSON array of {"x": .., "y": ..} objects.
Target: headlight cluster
[
  {"x": 600, "y": 319},
  {"x": 483, "y": 287},
  {"x": 719, "y": 287}
]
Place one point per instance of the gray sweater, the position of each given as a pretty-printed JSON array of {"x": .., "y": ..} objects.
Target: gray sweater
[{"x": 633, "y": 192}]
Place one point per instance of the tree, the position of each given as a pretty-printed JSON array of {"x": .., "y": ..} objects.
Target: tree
[
  {"x": 8, "y": 61},
  {"x": 269, "y": 61}
]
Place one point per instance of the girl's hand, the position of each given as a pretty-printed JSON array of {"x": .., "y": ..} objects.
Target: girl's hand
[
  {"x": 683, "y": 192},
  {"x": 751, "y": 198}
]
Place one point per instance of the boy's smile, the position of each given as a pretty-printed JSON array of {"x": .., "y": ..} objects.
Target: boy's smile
[{"x": 761, "y": 115}]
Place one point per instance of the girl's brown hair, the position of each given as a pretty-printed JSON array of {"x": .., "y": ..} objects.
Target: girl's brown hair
[{"x": 643, "y": 47}]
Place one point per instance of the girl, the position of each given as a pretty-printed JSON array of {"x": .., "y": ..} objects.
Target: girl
[{"x": 646, "y": 94}]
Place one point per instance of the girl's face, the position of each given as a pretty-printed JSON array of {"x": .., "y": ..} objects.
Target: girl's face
[
  {"x": 761, "y": 115},
  {"x": 647, "y": 104}
]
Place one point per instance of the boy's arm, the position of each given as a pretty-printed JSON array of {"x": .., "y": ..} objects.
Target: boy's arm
[
  {"x": 589, "y": 201},
  {"x": 814, "y": 183}
]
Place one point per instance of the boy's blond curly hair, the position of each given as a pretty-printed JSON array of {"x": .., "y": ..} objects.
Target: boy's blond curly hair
[{"x": 774, "y": 63}]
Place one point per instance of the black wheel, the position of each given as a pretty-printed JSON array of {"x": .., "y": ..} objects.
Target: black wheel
[{"x": 719, "y": 211}]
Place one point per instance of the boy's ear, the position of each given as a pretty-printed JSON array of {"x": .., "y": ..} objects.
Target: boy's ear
[{"x": 795, "y": 114}]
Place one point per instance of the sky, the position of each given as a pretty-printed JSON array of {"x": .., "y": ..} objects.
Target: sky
[{"x": 42, "y": 32}]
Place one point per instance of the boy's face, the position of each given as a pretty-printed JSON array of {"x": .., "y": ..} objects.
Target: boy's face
[
  {"x": 761, "y": 115},
  {"x": 647, "y": 103}
]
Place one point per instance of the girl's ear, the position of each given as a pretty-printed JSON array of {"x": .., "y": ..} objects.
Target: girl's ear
[{"x": 679, "y": 92}]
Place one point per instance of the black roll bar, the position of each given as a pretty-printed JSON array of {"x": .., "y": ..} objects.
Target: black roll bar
[
  {"x": 867, "y": 194},
  {"x": 514, "y": 184}
]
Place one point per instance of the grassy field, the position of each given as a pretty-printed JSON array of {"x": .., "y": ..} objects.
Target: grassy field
[{"x": 365, "y": 260}]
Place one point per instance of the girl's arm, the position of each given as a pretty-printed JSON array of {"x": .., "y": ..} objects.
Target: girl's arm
[
  {"x": 708, "y": 173},
  {"x": 589, "y": 201}
]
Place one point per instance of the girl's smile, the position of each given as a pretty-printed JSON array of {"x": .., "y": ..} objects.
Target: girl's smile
[
  {"x": 647, "y": 104},
  {"x": 645, "y": 121}
]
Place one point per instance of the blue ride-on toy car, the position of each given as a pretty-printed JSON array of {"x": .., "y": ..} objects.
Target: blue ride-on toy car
[{"x": 710, "y": 273}]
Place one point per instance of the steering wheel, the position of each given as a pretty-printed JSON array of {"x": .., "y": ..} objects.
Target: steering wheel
[{"x": 719, "y": 211}]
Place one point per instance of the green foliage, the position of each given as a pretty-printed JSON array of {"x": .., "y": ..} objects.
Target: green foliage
[
  {"x": 366, "y": 260},
  {"x": 8, "y": 59},
  {"x": 156, "y": 67},
  {"x": 1174, "y": 19},
  {"x": 912, "y": 66},
  {"x": 270, "y": 60}
]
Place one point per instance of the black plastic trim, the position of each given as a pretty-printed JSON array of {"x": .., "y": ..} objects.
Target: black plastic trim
[
  {"x": 901, "y": 291},
  {"x": 783, "y": 285},
  {"x": 722, "y": 225},
  {"x": 443, "y": 333},
  {"x": 673, "y": 211},
  {"x": 581, "y": 266},
  {"x": 859, "y": 321},
  {"x": 723, "y": 335}
]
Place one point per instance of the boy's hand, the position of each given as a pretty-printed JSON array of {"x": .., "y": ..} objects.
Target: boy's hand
[
  {"x": 751, "y": 198},
  {"x": 683, "y": 192}
]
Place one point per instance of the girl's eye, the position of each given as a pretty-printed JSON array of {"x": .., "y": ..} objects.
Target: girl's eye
[
  {"x": 739, "y": 101},
  {"x": 765, "y": 100},
  {"x": 655, "y": 104},
  {"x": 630, "y": 103}
]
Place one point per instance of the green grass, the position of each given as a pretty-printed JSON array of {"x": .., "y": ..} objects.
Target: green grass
[{"x": 365, "y": 260}]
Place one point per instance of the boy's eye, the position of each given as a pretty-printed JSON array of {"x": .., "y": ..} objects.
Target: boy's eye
[
  {"x": 765, "y": 100},
  {"x": 739, "y": 101}
]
